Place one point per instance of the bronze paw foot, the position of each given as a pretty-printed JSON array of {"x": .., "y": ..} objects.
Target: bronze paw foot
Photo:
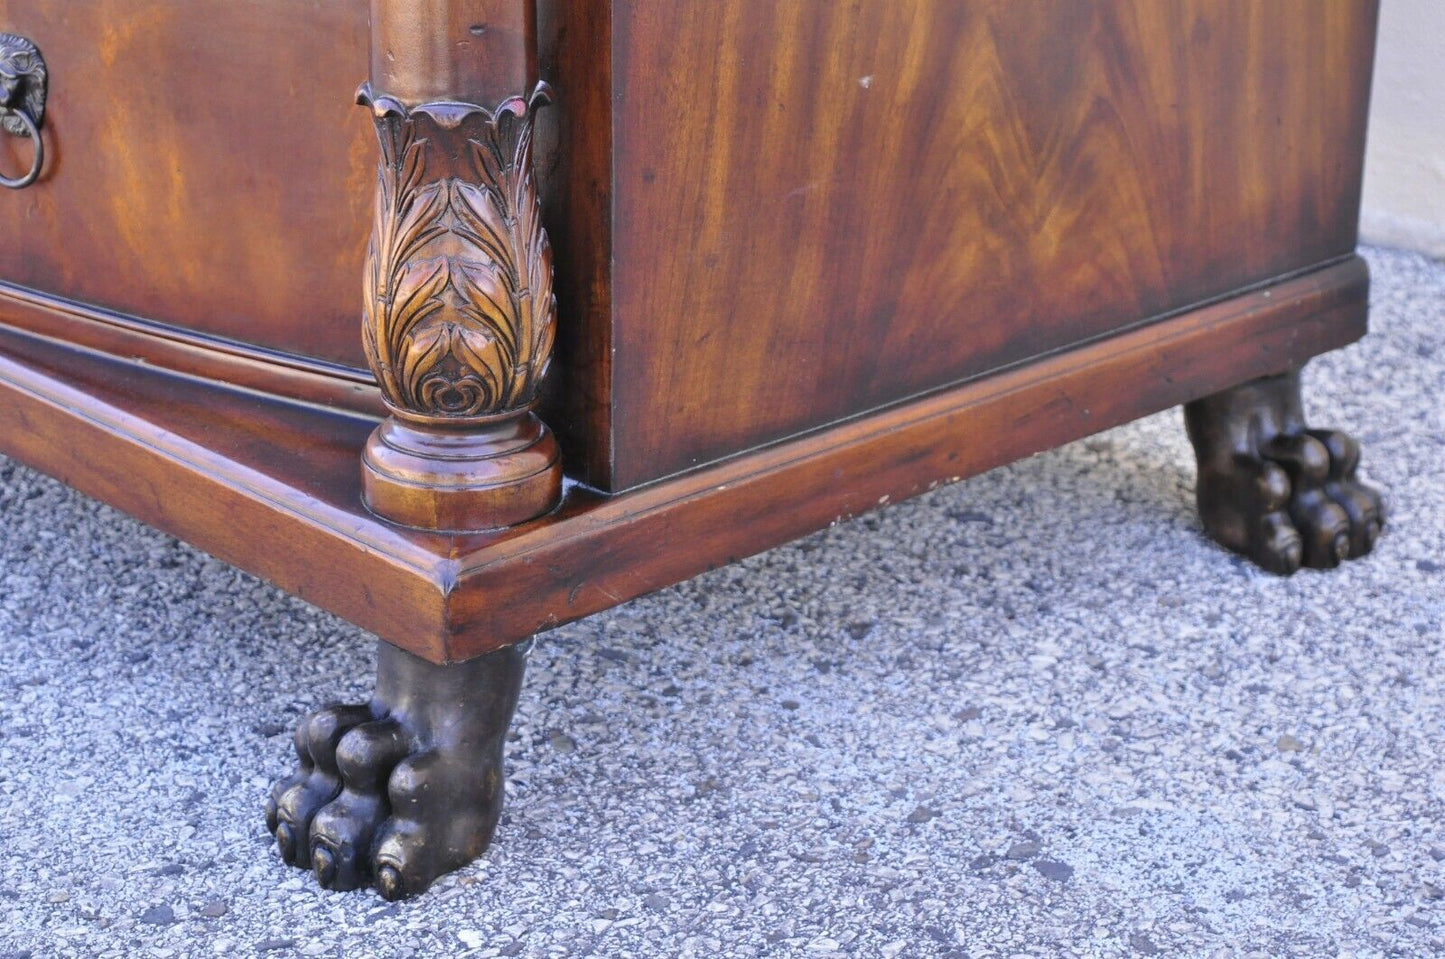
[
  {"x": 1275, "y": 490},
  {"x": 409, "y": 787}
]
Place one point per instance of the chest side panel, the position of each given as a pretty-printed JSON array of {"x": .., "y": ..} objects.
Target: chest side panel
[
  {"x": 822, "y": 208},
  {"x": 208, "y": 168}
]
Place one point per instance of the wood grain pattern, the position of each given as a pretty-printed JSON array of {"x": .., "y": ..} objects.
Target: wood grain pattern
[
  {"x": 197, "y": 355},
  {"x": 206, "y": 167},
  {"x": 821, "y": 208},
  {"x": 634, "y": 542},
  {"x": 574, "y": 170},
  {"x": 767, "y": 216},
  {"x": 236, "y": 473}
]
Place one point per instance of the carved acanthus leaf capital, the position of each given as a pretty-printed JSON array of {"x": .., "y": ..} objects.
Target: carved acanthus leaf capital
[{"x": 459, "y": 310}]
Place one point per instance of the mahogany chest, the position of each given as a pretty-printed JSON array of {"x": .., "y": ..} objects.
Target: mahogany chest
[{"x": 588, "y": 296}]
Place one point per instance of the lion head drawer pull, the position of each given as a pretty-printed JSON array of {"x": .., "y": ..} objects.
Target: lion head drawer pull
[{"x": 22, "y": 100}]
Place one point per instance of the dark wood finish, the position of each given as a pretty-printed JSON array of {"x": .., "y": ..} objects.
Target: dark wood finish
[
  {"x": 725, "y": 193},
  {"x": 233, "y": 472},
  {"x": 574, "y": 167},
  {"x": 404, "y": 788},
  {"x": 192, "y": 354},
  {"x": 1275, "y": 490},
  {"x": 206, "y": 168},
  {"x": 236, "y": 473},
  {"x": 821, "y": 208},
  {"x": 474, "y": 50}
]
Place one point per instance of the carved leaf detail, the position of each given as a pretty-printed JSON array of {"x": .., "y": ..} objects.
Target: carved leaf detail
[
  {"x": 459, "y": 316},
  {"x": 487, "y": 299},
  {"x": 482, "y": 354},
  {"x": 421, "y": 221},
  {"x": 482, "y": 221},
  {"x": 424, "y": 350},
  {"x": 414, "y": 297}
]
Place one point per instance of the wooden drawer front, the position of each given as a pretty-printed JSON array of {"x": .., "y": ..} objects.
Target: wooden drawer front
[
  {"x": 824, "y": 207},
  {"x": 207, "y": 166}
]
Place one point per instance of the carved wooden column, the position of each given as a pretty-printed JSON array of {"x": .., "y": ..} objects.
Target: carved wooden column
[{"x": 459, "y": 311}]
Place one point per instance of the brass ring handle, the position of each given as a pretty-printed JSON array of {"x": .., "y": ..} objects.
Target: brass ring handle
[
  {"x": 22, "y": 100},
  {"x": 33, "y": 131}
]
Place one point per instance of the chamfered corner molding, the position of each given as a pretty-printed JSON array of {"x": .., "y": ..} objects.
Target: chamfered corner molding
[{"x": 460, "y": 316}]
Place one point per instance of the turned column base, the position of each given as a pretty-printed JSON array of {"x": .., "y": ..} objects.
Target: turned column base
[{"x": 435, "y": 475}]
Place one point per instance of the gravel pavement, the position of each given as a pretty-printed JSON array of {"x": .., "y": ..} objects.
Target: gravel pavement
[{"x": 1031, "y": 714}]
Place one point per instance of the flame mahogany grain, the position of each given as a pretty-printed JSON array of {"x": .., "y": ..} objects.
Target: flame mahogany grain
[{"x": 767, "y": 217}]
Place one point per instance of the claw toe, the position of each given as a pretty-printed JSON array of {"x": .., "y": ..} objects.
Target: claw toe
[
  {"x": 1325, "y": 527},
  {"x": 368, "y": 752},
  {"x": 1273, "y": 486},
  {"x": 1342, "y": 547},
  {"x": 323, "y": 864},
  {"x": 1343, "y": 449},
  {"x": 1304, "y": 458},
  {"x": 286, "y": 841},
  {"x": 1281, "y": 551},
  {"x": 341, "y": 843},
  {"x": 389, "y": 884}
]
